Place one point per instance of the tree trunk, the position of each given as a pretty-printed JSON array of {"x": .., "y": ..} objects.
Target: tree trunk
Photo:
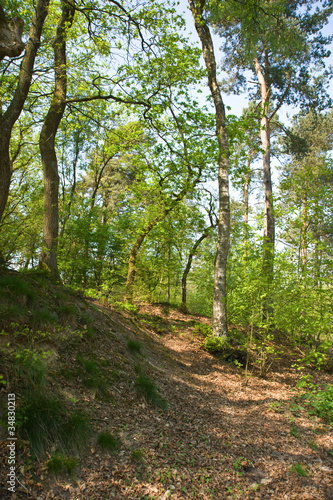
[
  {"x": 304, "y": 243},
  {"x": 168, "y": 275},
  {"x": 317, "y": 270},
  {"x": 8, "y": 119},
  {"x": 269, "y": 222},
  {"x": 246, "y": 208},
  {"x": 188, "y": 268},
  {"x": 48, "y": 133},
  {"x": 220, "y": 326},
  {"x": 11, "y": 44}
]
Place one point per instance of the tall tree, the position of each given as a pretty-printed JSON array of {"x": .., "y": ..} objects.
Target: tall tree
[
  {"x": 278, "y": 41},
  {"x": 48, "y": 133},
  {"x": 220, "y": 325},
  {"x": 15, "y": 106}
]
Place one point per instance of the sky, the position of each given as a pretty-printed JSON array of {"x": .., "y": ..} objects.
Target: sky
[{"x": 238, "y": 102}]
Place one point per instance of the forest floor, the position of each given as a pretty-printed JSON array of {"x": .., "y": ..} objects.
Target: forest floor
[{"x": 222, "y": 436}]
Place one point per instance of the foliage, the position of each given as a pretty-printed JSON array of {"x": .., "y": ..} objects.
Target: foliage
[
  {"x": 321, "y": 402},
  {"x": 215, "y": 344}
]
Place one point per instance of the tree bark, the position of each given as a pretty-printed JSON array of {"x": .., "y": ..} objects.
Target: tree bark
[
  {"x": 48, "y": 133},
  {"x": 220, "y": 326},
  {"x": 8, "y": 119},
  {"x": 269, "y": 221},
  {"x": 11, "y": 44},
  {"x": 304, "y": 243}
]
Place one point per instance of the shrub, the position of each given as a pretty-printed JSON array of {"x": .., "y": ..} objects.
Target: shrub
[
  {"x": 40, "y": 419},
  {"x": 134, "y": 346},
  {"x": 204, "y": 329},
  {"x": 148, "y": 388},
  {"x": 59, "y": 464},
  {"x": 321, "y": 402},
  {"x": 45, "y": 421},
  {"x": 215, "y": 344}
]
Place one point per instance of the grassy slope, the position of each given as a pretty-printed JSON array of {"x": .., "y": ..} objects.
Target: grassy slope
[{"x": 140, "y": 411}]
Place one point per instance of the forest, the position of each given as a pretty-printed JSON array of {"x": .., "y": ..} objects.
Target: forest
[{"x": 151, "y": 236}]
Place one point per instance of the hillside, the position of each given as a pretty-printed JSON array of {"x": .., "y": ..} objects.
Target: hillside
[{"x": 126, "y": 404}]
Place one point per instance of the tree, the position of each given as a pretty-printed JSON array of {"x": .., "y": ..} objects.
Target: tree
[
  {"x": 279, "y": 42},
  {"x": 205, "y": 234},
  {"x": 175, "y": 166},
  {"x": 15, "y": 106},
  {"x": 48, "y": 133},
  {"x": 306, "y": 183},
  {"x": 220, "y": 325}
]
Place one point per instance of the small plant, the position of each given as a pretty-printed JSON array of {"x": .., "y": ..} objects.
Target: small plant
[
  {"x": 90, "y": 365},
  {"x": 56, "y": 464},
  {"x": 300, "y": 470},
  {"x": 294, "y": 432},
  {"x": 108, "y": 442},
  {"x": 90, "y": 372},
  {"x": 134, "y": 346},
  {"x": 240, "y": 463},
  {"x": 59, "y": 464},
  {"x": 30, "y": 368},
  {"x": 305, "y": 382},
  {"x": 126, "y": 306},
  {"x": 148, "y": 388},
  {"x": 277, "y": 406},
  {"x": 137, "y": 455},
  {"x": 215, "y": 344},
  {"x": 313, "y": 445}
]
